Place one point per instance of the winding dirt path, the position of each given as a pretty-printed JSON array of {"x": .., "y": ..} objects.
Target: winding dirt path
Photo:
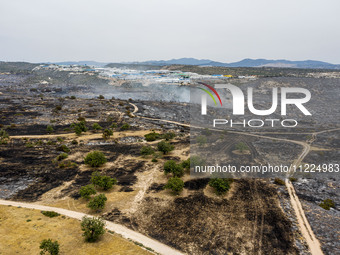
[{"x": 119, "y": 229}]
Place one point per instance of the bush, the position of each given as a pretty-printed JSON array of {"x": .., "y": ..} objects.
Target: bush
[
  {"x": 96, "y": 126},
  {"x": 87, "y": 191},
  {"x": 171, "y": 167},
  {"x": 196, "y": 161},
  {"x": 201, "y": 140},
  {"x": 79, "y": 127},
  {"x": 93, "y": 228},
  {"x": 74, "y": 142},
  {"x": 97, "y": 203},
  {"x": 3, "y": 136},
  {"x": 48, "y": 246},
  {"x": 72, "y": 97},
  {"x": 327, "y": 204},
  {"x": 146, "y": 150},
  {"x": 49, "y": 129},
  {"x": 154, "y": 160},
  {"x": 101, "y": 97},
  {"x": 165, "y": 147},
  {"x": 50, "y": 214},
  {"x": 63, "y": 148},
  {"x": 107, "y": 133},
  {"x": 62, "y": 156},
  {"x": 175, "y": 184},
  {"x": 186, "y": 164},
  {"x": 278, "y": 181},
  {"x": 169, "y": 136},
  {"x": 152, "y": 136},
  {"x": 221, "y": 186},
  {"x": 103, "y": 181},
  {"x": 95, "y": 159},
  {"x": 125, "y": 126},
  {"x": 292, "y": 179},
  {"x": 241, "y": 147}
]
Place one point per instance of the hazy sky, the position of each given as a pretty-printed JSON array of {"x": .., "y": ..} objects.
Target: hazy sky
[{"x": 128, "y": 30}]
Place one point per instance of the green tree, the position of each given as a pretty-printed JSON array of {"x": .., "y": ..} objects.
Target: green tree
[
  {"x": 146, "y": 150},
  {"x": 241, "y": 146},
  {"x": 93, "y": 228},
  {"x": 152, "y": 136},
  {"x": 63, "y": 148},
  {"x": 79, "y": 127},
  {"x": 96, "y": 126},
  {"x": 165, "y": 147},
  {"x": 49, "y": 129},
  {"x": 95, "y": 159},
  {"x": 47, "y": 246},
  {"x": 62, "y": 156},
  {"x": 97, "y": 203},
  {"x": 172, "y": 167},
  {"x": 201, "y": 140},
  {"x": 186, "y": 163},
  {"x": 3, "y": 136},
  {"x": 169, "y": 136},
  {"x": 107, "y": 133},
  {"x": 327, "y": 204},
  {"x": 175, "y": 184},
  {"x": 125, "y": 126},
  {"x": 221, "y": 186},
  {"x": 102, "y": 181},
  {"x": 87, "y": 191}
]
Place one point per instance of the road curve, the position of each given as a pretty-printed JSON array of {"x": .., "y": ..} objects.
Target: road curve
[{"x": 119, "y": 229}]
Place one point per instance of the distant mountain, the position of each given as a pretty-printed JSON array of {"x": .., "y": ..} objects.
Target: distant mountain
[
  {"x": 81, "y": 63},
  {"x": 243, "y": 63}
]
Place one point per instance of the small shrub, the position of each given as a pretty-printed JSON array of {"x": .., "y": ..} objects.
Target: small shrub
[
  {"x": 172, "y": 167},
  {"x": 49, "y": 129},
  {"x": 87, "y": 191},
  {"x": 96, "y": 126},
  {"x": 95, "y": 159},
  {"x": 63, "y": 148},
  {"x": 186, "y": 164},
  {"x": 97, "y": 203},
  {"x": 221, "y": 186},
  {"x": 107, "y": 133},
  {"x": 175, "y": 184},
  {"x": 278, "y": 181},
  {"x": 58, "y": 108},
  {"x": 327, "y": 204},
  {"x": 125, "y": 126},
  {"x": 101, "y": 97},
  {"x": 152, "y": 136},
  {"x": 50, "y": 214},
  {"x": 154, "y": 160},
  {"x": 165, "y": 147},
  {"x": 146, "y": 150},
  {"x": 79, "y": 127},
  {"x": 201, "y": 140},
  {"x": 241, "y": 146},
  {"x": 102, "y": 181},
  {"x": 169, "y": 136},
  {"x": 47, "y": 246},
  {"x": 4, "y": 137},
  {"x": 93, "y": 228},
  {"x": 72, "y": 97},
  {"x": 62, "y": 156},
  {"x": 74, "y": 142},
  {"x": 292, "y": 179}
]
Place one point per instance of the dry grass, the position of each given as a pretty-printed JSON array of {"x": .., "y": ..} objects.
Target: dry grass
[{"x": 22, "y": 230}]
